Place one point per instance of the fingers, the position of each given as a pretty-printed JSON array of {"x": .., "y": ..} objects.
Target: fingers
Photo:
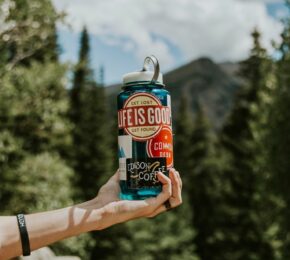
[
  {"x": 171, "y": 191},
  {"x": 164, "y": 195},
  {"x": 176, "y": 188},
  {"x": 176, "y": 198},
  {"x": 179, "y": 178}
]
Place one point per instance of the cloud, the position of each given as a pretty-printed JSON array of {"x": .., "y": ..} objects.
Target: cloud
[
  {"x": 266, "y": 1},
  {"x": 218, "y": 29}
]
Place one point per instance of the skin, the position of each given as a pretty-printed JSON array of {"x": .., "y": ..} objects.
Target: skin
[{"x": 105, "y": 210}]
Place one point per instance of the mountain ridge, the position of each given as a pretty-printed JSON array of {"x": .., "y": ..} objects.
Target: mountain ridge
[{"x": 202, "y": 81}]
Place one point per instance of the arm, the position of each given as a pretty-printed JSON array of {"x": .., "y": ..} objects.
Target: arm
[
  {"x": 103, "y": 211},
  {"x": 46, "y": 228}
]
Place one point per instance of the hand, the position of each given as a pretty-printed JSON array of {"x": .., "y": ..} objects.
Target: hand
[{"x": 118, "y": 211}]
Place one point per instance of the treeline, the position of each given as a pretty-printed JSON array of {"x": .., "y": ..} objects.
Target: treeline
[{"x": 58, "y": 146}]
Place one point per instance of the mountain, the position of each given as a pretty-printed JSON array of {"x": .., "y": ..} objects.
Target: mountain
[
  {"x": 213, "y": 85},
  {"x": 231, "y": 68}
]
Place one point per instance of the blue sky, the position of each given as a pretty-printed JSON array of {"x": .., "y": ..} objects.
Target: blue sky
[{"x": 122, "y": 33}]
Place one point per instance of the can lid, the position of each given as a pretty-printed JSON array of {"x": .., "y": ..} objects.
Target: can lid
[
  {"x": 141, "y": 76},
  {"x": 145, "y": 74}
]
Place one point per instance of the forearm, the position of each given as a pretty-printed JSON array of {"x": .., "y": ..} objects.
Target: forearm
[{"x": 48, "y": 227}]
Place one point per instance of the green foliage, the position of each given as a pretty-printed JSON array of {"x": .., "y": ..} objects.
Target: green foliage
[
  {"x": 236, "y": 199},
  {"x": 91, "y": 156},
  {"x": 33, "y": 106},
  {"x": 82, "y": 76},
  {"x": 42, "y": 182},
  {"x": 76, "y": 246},
  {"x": 91, "y": 159},
  {"x": 168, "y": 236},
  {"x": 205, "y": 193},
  {"x": 10, "y": 149},
  {"x": 182, "y": 137},
  {"x": 247, "y": 236},
  {"x": 270, "y": 202},
  {"x": 29, "y": 32},
  {"x": 277, "y": 138},
  {"x": 10, "y": 154},
  {"x": 34, "y": 127}
]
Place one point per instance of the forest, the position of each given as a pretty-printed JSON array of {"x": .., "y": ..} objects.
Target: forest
[{"x": 58, "y": 145}]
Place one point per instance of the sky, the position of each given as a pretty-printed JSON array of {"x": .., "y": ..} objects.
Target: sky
[{"x": 124, "y": 32}]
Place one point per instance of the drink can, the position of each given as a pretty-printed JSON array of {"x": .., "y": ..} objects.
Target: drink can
[{"x": 145, "y": 141}]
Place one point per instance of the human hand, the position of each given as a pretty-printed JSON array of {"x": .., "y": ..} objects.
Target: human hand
[{"x": 117, "y": 211}]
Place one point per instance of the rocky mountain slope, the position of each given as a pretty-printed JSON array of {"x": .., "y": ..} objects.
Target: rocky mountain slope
[{"x": 212, "y": 85}]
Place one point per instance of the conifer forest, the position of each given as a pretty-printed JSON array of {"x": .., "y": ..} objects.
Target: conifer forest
[{"x": 58, "y": 146}]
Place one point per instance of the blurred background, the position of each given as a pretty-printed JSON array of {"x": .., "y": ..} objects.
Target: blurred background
[{"x": 227, "y": 66}]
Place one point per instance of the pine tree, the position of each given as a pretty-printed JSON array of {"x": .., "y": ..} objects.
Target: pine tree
[
  {"x": 92, "y": 160},
  {"x": 204, "y": 183},
  {"x": 82, "y": 75},
  {"x": 91, "y": 157},
  {"x": 102, "y": 76},
  {"x": 278, "y": 140},
  {"x": 245, "y": 234},
  {"x": 95, "y": 153},
  {"x": 182, "y": 135}
]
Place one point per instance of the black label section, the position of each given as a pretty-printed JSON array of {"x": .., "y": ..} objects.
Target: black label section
[{"x": 142, "y": 173}]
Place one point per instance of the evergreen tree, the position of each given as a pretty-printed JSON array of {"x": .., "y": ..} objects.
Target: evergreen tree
[
  {"x": 91, "y": 159},
  {"x": 244, "y": 232},
  {"x": 94, "y": 149},
  {"x": 182, "y": 136},
  {"x": 82, "y": 75},
  {"x": 91, "y": 156},
  {"x": 102, "y": 76},
  {"x": 278, "y": 140},
  {"x": 204, "y": 194}
]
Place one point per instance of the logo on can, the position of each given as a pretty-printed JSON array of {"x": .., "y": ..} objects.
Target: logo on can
[
  {"x": 161, "y": 145},
  {"x": 143, "y": 116}
]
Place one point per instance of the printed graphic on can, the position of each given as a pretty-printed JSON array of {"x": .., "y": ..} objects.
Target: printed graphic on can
[
  {"x": 146, "y": 141},
  {"x": 161, "y": 145},
  {"x": 142, "y": 173},
  {"x": 143, "y": 116}
]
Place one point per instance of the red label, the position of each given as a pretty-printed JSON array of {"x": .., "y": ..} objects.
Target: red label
[
  {"x": 162, "y": 145},
  {"x": 143, "y": 116}
]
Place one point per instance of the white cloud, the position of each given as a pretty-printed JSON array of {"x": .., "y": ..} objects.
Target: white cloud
[
  {"x": 265, "y": 1},
  {"x": 218, "y": 29}
]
